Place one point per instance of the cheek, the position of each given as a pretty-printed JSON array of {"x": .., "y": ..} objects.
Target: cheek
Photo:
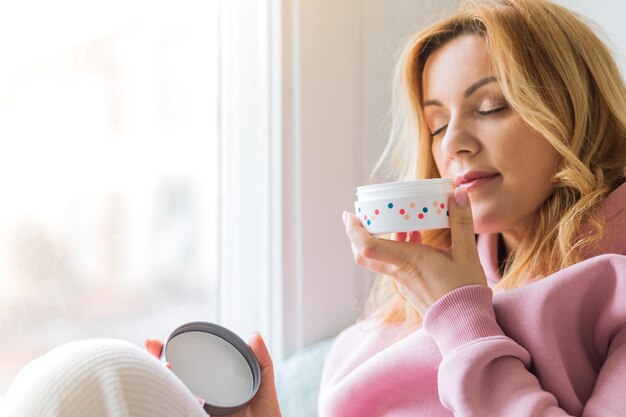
[
  {"x": 544, "y": 159},
  {"x": 541, "y": 184},
  {"x": 529, "y": 173}
]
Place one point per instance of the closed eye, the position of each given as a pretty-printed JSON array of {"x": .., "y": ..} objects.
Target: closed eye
[
  {"x": 492, "y": 111},
  {"x": 438, "y": 131},
  {"x": 482, "y": 113}
]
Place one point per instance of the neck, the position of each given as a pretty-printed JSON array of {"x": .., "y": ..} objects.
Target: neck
[{"x": 512, "y": 239}]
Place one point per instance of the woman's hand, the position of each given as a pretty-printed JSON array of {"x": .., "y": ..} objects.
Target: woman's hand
[
  {"x": 423, "y": 274},
  {"x": 265, "y": 402}
]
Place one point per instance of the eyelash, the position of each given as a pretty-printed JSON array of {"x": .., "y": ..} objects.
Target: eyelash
[
  {"x": 482, "y": 113},
  {"x": 492, "y": 111},
  {"x": 438, "y": 131}
]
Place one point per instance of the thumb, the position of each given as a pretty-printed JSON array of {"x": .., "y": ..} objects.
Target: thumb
[
  {"x": 267, "y": 389},
  {"x": 257, "y": 344},
  {"x": 462, "y": 226}
]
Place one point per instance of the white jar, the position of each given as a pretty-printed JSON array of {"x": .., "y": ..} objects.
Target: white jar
[{"x": 404, "y": 206}]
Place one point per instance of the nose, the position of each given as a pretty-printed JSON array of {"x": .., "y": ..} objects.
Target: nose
[{"x": 459, "y": 140}]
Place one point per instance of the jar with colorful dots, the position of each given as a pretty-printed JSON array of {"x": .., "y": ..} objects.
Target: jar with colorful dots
[{"x": 404, "y": 206}]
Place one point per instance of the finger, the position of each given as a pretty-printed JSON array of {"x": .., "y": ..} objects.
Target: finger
[
  {"x": 267, "y": 388},
  {"x": 154, "y": 347},
  {"x": 415, "y": 237},
  {"x": 368, "y": 246},
  {"x": 399, "y": 237},
  {"x": 259, "y": 349},
  {"x": 462, "y": 226},
  {"x": 168, "y": 365},
  {"x": 372, "y": 265}
]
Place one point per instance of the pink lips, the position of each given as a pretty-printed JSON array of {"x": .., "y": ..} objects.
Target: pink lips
[{"x": 474, "y": 179}]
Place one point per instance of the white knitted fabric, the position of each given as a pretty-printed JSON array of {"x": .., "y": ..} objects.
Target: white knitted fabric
[{"x": 98, "y": 378}]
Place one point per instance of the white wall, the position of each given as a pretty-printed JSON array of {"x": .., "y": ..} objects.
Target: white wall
[
  {"x": 608, "y": 16},
  {"x": 337, "y": 65},
  {"x": 386, "y": 25}
]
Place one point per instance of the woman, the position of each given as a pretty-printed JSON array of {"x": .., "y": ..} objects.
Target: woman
[{"x": 523, "y": 106}]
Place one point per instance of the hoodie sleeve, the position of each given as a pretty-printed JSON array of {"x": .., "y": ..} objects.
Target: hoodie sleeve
[
  {"x": 486, "y": 373},
  {"x": 608, "y": 396}
]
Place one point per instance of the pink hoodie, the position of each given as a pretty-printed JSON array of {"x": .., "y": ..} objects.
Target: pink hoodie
[{"x": 554, "y": 347}]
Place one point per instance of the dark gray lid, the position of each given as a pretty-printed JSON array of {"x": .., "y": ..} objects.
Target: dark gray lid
[{"x": 233, "y": 340}]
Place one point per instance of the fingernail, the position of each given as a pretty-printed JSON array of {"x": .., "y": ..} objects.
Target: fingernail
[
  {"x": 460, "y": 196},
  {"x": 145, "y": 343},
  {"x": 345, "y": 217}
]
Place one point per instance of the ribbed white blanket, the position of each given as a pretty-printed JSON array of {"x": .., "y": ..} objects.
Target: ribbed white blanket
[{"x": 98, "y": 378}]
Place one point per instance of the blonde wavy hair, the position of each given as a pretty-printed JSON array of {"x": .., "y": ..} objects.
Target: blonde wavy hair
[{"x": 561, "y": 78}]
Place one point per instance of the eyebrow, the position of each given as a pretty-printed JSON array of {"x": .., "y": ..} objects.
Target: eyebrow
[{"x": 470, "y": 90}]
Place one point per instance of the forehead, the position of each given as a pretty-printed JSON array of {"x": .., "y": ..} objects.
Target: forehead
[{"x": 455, "y": 65}]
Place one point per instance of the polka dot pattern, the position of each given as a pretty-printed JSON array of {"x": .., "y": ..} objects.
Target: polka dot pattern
[{"x": 422, "y": 213}]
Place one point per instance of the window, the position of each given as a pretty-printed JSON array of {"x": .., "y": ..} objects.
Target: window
[
  {"x": 109, "y": 174},
  {"x": 183, "y": 160}
]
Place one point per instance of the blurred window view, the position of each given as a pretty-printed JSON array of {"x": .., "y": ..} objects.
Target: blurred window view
[{"x": 108, "y": 175}]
